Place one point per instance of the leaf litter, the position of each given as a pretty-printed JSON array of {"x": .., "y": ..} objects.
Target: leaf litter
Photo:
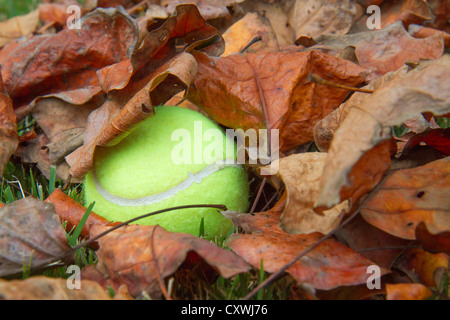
[{"x": 362, "y": 179}]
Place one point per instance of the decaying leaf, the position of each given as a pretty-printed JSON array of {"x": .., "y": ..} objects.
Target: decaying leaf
[
  {"x": 314, "y": 18},
  {"x": 411, "y": 196},
  {"x": 422, "y": 267},
  {"x": 435, "y": 243},
  {"x": 184, "y": 30},
  {"x": 30, "y": 234},
  {"x": 65, "y": 64},
  {"x": 8, "y": 128},
  {"x": 301, "y": 175},
  {"x": 115, "y": 119},
  {"x": 328, "y": 266},
  {"x": 408, "y": 11},
  {"x": 376, "y": 245},
  {"x": 46, "y": 288},
  {"x": 420, "y": 90},
  {"x": 240, "y": 34},
  {"x": 17, "y": 27},
  {"x": 383, "y": 50},
  {"x": 71, "y": 212},
  {"x": 407, "y": 291},
  {"x": 142, "y": 256},
  {"x": 271, "y": 90}
]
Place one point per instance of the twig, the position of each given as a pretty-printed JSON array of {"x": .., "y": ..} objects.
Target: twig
[
  {"x": 275, "y": 275},
  {"x": 319, "y": 80},
  {"x": 270, "y": 200},
  {"x": 66, "y": 185},
  {"x": 91, "y": 240},
  {"x": 63, "y": 257},
  {"x": 258, "y": 195},
  {"x": 252, "y": 42}
]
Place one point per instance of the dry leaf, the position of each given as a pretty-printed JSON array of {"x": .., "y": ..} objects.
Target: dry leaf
[
  {"x": 240, "y": 34},
  {"x": 301, "y": 175},
  {"x": 71, "y": 212},
  {"x": 420, "y": 266},
  {"x": 17, "y": 27},
  {"x": 31, "y": 234},
  {"x": 116, "y": 117},
  {"x": 407, "y": 291},
  {"x": 239, "y": 91},
  {"x": 64, "y": 64},
  {"x": 371, "y": 242},
  {"x": 408, "y": 11},
  {"x": 327, "y": 266},
  {"x": 8, "y": 128},
  {"x": 46, "y": 288},
  {"x": 411, "y": 196},
  {"x": 143, "y": 256},
  {"x": 383, "y": 50},
  {"x": 313, "y": 18},
  {"x": 434, "y": 243},
  {"x": 422, "y": 89}
]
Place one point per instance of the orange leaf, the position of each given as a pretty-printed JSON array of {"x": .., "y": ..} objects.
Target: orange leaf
[
  {"x": 369, "y": 125},
  {"x": 411, "y": 196},
  {"x": 8, "y": 128},
  {"x": 407, "y": 291},
  {"x": 71, "y": 211},
  {"x": 141, "y": 257},
  {"x": 328, "y": 266},
  {"x": 271, "y": 90},
  {"x": 65, "y": 64}
]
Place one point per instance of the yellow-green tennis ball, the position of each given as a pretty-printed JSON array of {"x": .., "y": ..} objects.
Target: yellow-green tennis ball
[{"x": 177, "y": 157}]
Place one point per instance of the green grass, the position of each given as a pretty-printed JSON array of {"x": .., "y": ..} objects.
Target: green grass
[{"x": 12, "y": 8}]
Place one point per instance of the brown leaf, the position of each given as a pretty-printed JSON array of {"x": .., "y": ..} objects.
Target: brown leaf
[
  {"x": 420, "y": 266},
  {"x": 184, "y": 30},
  {"x": 407, "y": 291},
  {"x": 313, "y": 18},
  {"x": 71, "y": 212},
  {"x": 123, "y": 109},
  {"x": 420, "y": 32},
  {"x": 277, "y": 12},
  {"x": 31, "y": 234},
  {"x": 46, "y": 288},
  {"x": 264, "y": 222},
  {"x": 422, "y": 89},
  {"x": 8, "y": 128},
  {"x": 20, "y": 26},
  {"x": 327, "y": 266},
  {"x": 301, "y": 175},
  {"x": 408, "y": 11},
  {"x": 71, "y": 59},
  {"x": 434, "y": 243},
  {"x": 241, "y": 33},
  {"x": 411, "y": 196},
  {"x": 237, "y": 91},
  {"x": 54, "y": 13},
  {"x": 371, "y": 47},
  {"x": 373, "y": 243},
  {"x": 36, "y": 151},
  {"x": 325, "y": 128},
  {"x": 209, "y": 9},
  {"x": 142, "y": 256}
]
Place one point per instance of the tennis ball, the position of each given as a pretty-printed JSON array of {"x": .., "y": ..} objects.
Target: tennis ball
[{"x": 177, "y": 157}]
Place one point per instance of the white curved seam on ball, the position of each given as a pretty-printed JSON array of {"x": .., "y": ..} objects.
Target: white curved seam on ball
[{"x": 158, "y": 197}]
